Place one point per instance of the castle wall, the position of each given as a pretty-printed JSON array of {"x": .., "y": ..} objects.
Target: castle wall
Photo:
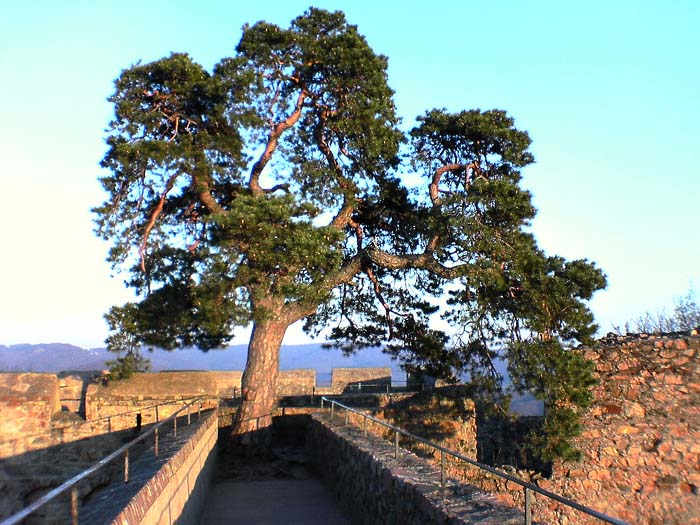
[
  {"x": 354, "y": 380},
  {"x": 27, "y": 402},
  {"x": 177, "y": 492},
  {"x": 375, "y": 487},
  {"x": 641, "y": 439},
  {"x": 122, "y": 400},
  {"x": 297, "y": 382}
]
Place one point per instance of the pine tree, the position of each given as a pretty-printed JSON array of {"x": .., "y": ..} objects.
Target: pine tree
[{"x": 279, "y": 187}]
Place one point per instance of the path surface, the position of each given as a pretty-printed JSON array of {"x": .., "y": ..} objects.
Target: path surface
[
  {"x": 272, "y": 502},
  {"x": 280, "y": 489}
]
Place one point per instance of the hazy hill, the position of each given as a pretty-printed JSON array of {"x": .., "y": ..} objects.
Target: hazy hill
[{"x": 56, "y": 357}]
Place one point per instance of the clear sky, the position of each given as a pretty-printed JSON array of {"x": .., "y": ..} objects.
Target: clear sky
[{"x": 609, "y": 92}]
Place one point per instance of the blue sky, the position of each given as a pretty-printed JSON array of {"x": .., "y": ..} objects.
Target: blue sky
[{"x": 609, "y": 92}]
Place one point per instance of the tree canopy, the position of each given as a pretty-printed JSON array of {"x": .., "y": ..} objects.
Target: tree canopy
[{"x": 280, "y": 186}]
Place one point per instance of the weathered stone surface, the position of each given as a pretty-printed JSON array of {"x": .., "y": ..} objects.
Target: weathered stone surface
[
  {"x": 228, "y": 382},
  {"x": 640, "y": 461},
  {"x": 122, "y": 400},
  {"x": 374, "y": 487},
  {"x": 353, "y": 380},
  {"x": 27, "y": 401},
  {"x": 296, "y": 382}
]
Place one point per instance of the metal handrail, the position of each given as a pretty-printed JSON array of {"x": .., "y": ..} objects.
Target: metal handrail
[
  {"x": 393, "y": 383},
  {"x": 93, "y": 421},
  {"x": 72, "y": 482},
  {"x": 527, "y": 486}
]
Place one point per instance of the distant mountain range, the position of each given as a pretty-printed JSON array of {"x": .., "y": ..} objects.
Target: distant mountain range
[{"x": 60, "y": 357}]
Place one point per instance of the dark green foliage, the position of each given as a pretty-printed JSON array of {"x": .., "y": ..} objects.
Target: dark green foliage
[
  {"x": 124, "y": 339},
  {"x": 127, "y": 365},
  {"x": 272, "y": 189}
]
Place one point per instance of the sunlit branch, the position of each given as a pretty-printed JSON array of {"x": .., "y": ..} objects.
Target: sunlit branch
[
  {"x": 272, "y": 140},
  {"x": 152, "y": 220}
]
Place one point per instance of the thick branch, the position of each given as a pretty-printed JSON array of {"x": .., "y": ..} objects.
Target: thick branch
[
  {"x": 356, "y": 264},
  {"x": 344, "y": 215},
  {"x": 275, "y": 134},
  {"x": 152, "y": 221},
  {"x": 434, "y": 189},
  {"x": 204, "y": 191},
  {"x": 422, "y": 261}
]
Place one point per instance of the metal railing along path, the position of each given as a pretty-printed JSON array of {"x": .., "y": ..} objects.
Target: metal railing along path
[
  {"x": 61, "y": 429},
  {"x": 72, "y": 483},
  {"x": 529, "y": 488},
  {"x": 367, "y": 387}
]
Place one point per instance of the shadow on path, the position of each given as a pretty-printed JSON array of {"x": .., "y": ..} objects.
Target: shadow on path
[{"x": 278, "y": 490}]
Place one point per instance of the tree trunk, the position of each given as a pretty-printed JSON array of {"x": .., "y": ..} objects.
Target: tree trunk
[{"x": 252, "y": 425}]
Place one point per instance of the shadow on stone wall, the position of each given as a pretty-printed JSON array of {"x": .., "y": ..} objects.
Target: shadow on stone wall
[
  {"x": 449, "y": 416},
  {"x": 26, "y": 477}
]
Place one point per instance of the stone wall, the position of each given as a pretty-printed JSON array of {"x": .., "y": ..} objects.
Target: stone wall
[
  {"x": 374, "y": 487},
  {"x": 72, "y": 388},
  {"x": 351, "y": 380},
  {"x": 228, "y": 383},
  {"x": 445, "y": 416},
  {"x": 121, "y": 400},
  {"x": 176, "y": 494},
  {"x": 641, "y": 440},
  {"x": 28, "y": 401},
  {"x": 297, "y": 382}
]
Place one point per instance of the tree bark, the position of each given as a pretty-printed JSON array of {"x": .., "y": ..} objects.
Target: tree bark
[{"x": 252, "y": 425}]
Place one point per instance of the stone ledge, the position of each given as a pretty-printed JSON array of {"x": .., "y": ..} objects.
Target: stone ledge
[{"x": 374, "y": 487}]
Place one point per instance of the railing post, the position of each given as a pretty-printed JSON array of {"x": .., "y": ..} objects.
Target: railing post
[
  {"x": 257, "y": 423},
  {"x": 157, "y": 417},
  {"x": 199, "y": 411},
  {"x": 332, "y": 410},
  {"x": 189, "y": 408},
  {"x": 346, "y": 416},
  {"x": 528, "y": 506},
  {"x": 359, "y": 386},
  {"x": 442, "y": 469},
  {"x": 126, "y": 466},
  {"x": 74, "y": 505},
  {"x": 396, "y": 443},
  {"x": 155, "y": 441},
  {"x": 322, "y": 402},
  {"x": 175, "y": 426},
  {"x": 365, "y": 425},
  {"x": 109, "y": 424}
]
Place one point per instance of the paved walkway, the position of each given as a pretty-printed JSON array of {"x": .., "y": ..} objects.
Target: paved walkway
[{"x": 271, "y": 502}]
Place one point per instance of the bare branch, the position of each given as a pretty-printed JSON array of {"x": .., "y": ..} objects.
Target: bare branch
[
  {"x": 274, "y": 136},
  {"x": 433, "y": 187},
  {"x": 422, "y": 261},
  {"x": 378, "y": 293},
  {"x": 152, "y": 220}
]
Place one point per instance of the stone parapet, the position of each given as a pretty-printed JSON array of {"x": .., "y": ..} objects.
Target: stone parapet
[
  {"x": 122, "y": 400},
  {"x": 176, "y": 493},
  {"x": 641, "y": 438},
  {"x": 354, "y": 380},
  {"x": 374, "y": 487},
  {"x": 298, "y": 382},
  {"x": 228, "y": 383},
  {"x": 28, "y": 401}
]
